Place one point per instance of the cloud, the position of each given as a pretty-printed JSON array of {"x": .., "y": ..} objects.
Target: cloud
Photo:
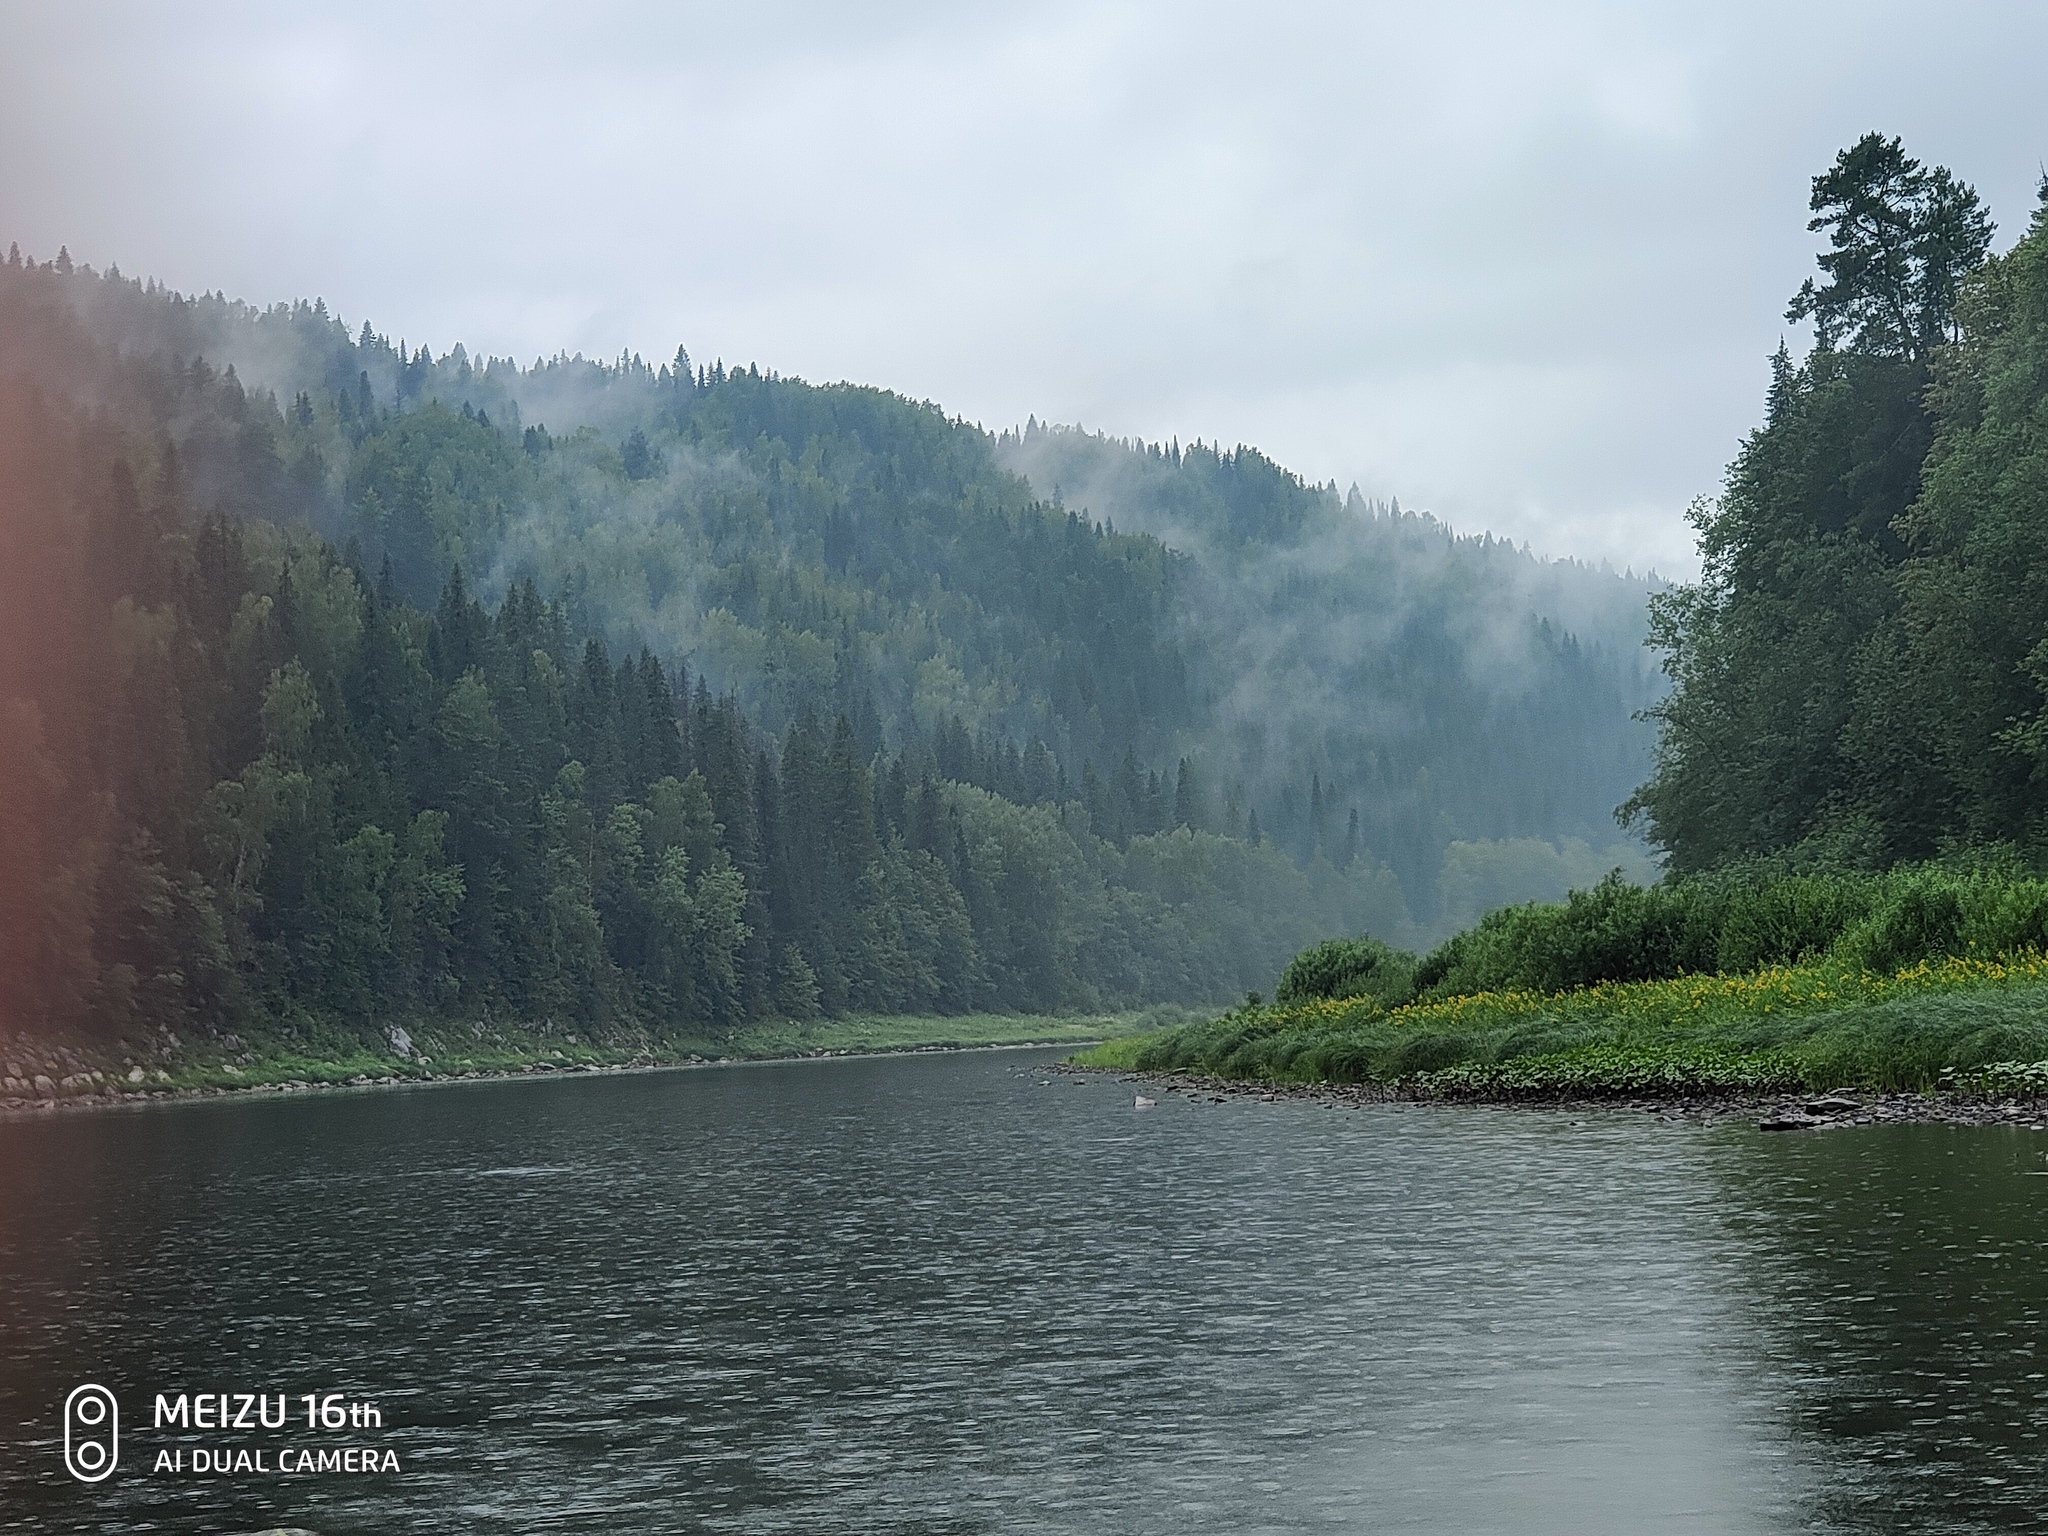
[{"x": 1521, "y": 265}]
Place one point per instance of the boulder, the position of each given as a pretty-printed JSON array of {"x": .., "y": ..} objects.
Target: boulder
[{"x": 1832, "y": 1104}]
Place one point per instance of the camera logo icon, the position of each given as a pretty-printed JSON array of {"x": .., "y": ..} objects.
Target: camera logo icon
[{"x": 92, "y": 1432}]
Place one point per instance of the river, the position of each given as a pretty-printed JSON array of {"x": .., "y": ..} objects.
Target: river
[{"x": 963, "y": 1293}]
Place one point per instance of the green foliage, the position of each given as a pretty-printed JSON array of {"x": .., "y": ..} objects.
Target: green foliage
[
  {"x": 1817, "y": 1026},
  {"x": 1789, "y": 919},
  {"x": 1920, "y": 921},
  {"x": 1752, "y": 980},
  {"x": 1859, "y": 667},
  {"x": 1902, "y": 237},
  {"x": 1614, "y": 932},
  {"x": 2000, "y": 1080},
  {"x": 1739, "y": 920},
  {"x": 1362, "y": 967},
  {"x": 1613, "y": 1071},
  {"x": 432, "y": 490}
]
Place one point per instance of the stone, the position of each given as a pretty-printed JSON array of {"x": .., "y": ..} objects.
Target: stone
[
  {"x": 45, "y": 1087},
  {"x": 1786, "y": 1123},
  {"x": 1832, "y": 1104}
]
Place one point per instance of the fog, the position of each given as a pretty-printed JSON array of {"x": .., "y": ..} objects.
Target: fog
[
  {"x": 1519, "y": 266},
  {"x": 1351, "y": 642}
]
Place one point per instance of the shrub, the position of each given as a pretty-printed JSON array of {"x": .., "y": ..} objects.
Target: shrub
[
  {"x": 2008, "y": 918},
  {"x": 1362, "y": 967},
  {"x": 1614, "y": 932},
  {"x": 1610, "y": 1071},
  {"x": 2000, "y": 1080},
  {"x": 1781, "y": 922},
  {"x": 1922, "y": 920}
]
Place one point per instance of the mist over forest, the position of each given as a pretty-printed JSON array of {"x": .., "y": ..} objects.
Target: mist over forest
[
  {"x": 1316, "y": 654},
  {"x": 1437, "y": 684},
  {"x": 873, "y": 709}
]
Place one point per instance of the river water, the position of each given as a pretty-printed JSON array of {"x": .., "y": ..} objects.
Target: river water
[{"x": 952, "y": 1294}]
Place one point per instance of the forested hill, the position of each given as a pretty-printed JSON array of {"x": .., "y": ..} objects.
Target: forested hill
[
  {"x": 354, "y": 682},
  {"x": 1364, "y": 658},
  {"x": 1308, "y": 656}
]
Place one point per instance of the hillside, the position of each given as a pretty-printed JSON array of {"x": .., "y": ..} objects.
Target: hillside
[
  {"x": 1450, "y": 690},
  {"x": 622, "y": 693}
]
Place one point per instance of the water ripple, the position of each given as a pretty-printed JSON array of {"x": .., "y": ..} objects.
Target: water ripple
[{"x": 958, "y": 1294}]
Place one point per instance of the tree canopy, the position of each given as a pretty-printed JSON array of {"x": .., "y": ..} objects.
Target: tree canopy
[{"x": 1858, "y": 675}]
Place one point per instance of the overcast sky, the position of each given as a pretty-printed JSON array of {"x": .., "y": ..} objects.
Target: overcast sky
[{"x": 1519, "y": 265}]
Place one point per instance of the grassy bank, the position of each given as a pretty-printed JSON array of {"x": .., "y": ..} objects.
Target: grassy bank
[
  {"x": 1771, "y": 977},
  {"x": 1954, "y": 1021},
  {"x": 423, "y": 1053}
]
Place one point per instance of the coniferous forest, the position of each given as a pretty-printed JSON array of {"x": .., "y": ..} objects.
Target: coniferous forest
[
  {"x": 349, "y": 685},
  {"x": 1860, "y": 678}
]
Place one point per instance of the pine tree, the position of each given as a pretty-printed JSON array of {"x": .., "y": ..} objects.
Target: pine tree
[{"x": 1186, "y": 811}]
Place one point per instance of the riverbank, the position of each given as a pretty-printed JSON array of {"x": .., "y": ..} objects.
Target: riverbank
[
  {"x": 1771, "y": 1112},
  {"x": 40, "y": 1075},
  {"x": 1962, "y": 1029}
]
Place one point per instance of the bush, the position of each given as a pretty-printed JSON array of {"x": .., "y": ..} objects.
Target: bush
[
  {"x": 1362, "y": 967},
  {"x": 1609, "y": 1071},
  {"x": 1921, "y": 921},
  {"x": 1614, "y": 932},
  {"x": 1824, "y": 1024},
  {"x": 2009, "y": 918},
  {"x": 1742, "y": 921},
  {"x": 1781, "y": 922}
]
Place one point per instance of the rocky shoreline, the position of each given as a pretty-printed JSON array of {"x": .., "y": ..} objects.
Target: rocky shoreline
[
  {"x": 1766, "y": 1112},
  {"x": 88, "y": 1088},
  {"x": 96, "y": 1090}
]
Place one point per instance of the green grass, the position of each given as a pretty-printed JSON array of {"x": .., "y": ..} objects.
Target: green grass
[
  {"x": 1962, "y": 1023},
  {"x": 327, "y": 1057},
  {"x": 910, "y": 1032}
]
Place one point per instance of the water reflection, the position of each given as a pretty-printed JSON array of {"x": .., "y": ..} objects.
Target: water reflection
[
  {"x": 1899, "y": 1281},
  {"x": 960, "y": 1294}
]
